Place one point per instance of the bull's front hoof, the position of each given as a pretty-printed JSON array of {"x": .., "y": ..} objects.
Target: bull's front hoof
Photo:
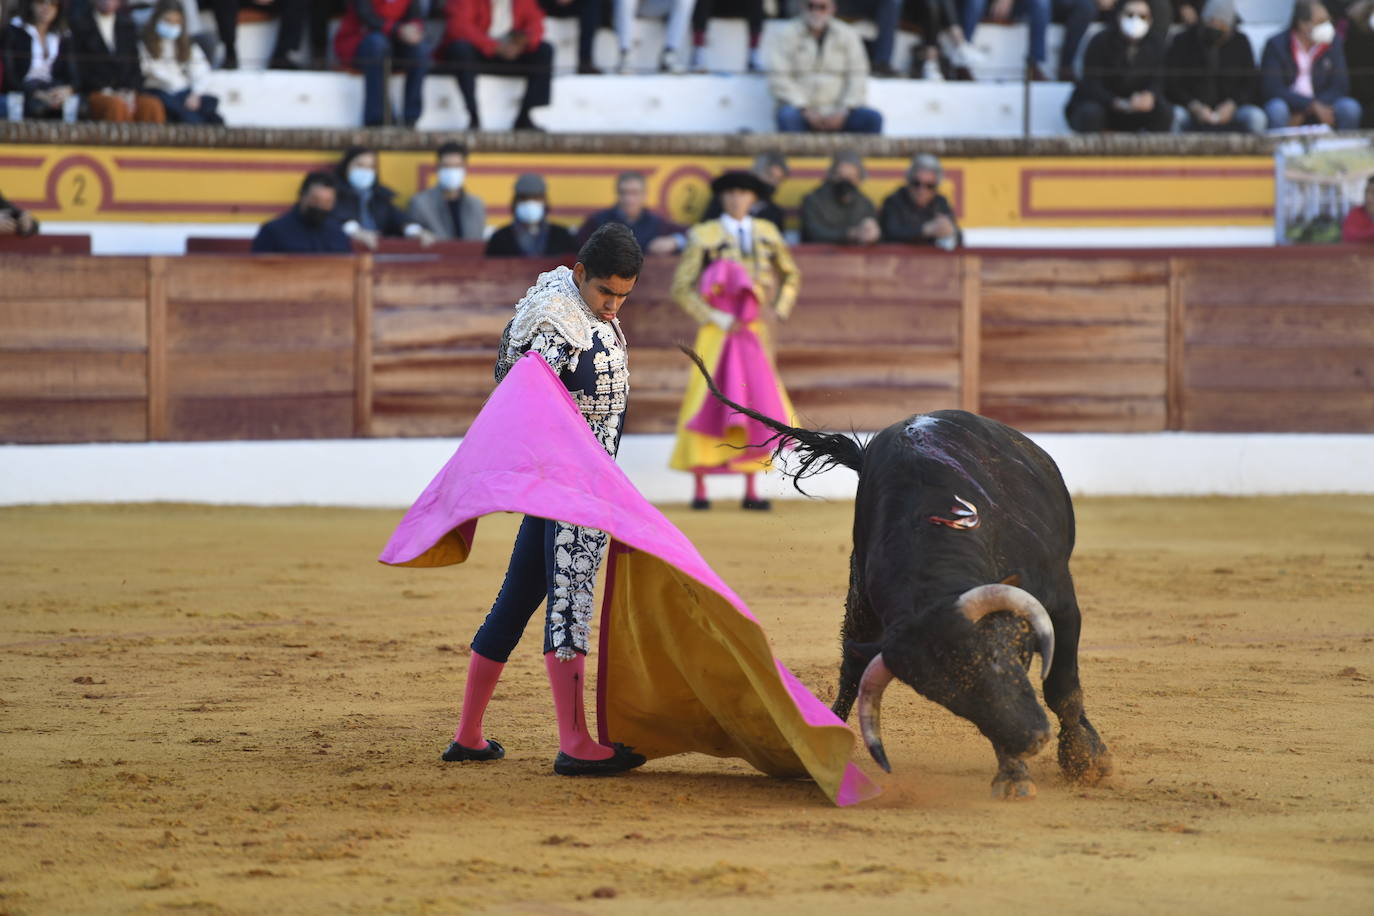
[
  {"x": 1013, "y": 789},
  {"x": 1083, "y": 756}
]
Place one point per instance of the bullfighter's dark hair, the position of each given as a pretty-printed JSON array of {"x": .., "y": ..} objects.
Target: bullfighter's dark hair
[
  {"x": 815, "y": 451},
  {"x": 353, "y": 152},
  {"x": 320, "y": 179},
  {"x": 612, "y": 251},
  {"x": 451, "y": 148}
]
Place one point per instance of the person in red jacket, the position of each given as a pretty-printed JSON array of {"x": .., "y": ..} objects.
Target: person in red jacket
[
  {"x": 499, "y": 36},
  {"x": 372, "y": 31},
  {"x": 1359, "y": 222}
]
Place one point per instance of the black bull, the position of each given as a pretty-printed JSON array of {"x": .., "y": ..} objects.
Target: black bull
[{"x": 960, "y": 572}]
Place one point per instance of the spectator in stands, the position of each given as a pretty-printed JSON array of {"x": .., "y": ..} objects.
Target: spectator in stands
[
  {"x": 14, "y": 221},
  {"x": 530, "y": 234},
  {"x": 884, "y": 14},
  {"x": 1303, "y": 77},
  {"x": 654, "y": 234},
  {"x": 321, "y": 13},
  {"x": 1037, "y": 16},
  {"x": 175, "y": 68},
  {"x": 448, "y": 210},
  {"x": 105, "y": 42},
  {"x": 1210, "y": 74},
  {"x": 308, "y": 227},
  {"x": 705, "y": 10},
  {"x": 917, "y": 214},
  {"x": 678, "y": 16},
  {"x": 290, "y": 27},
  {"x": 365, "y": 208},
  {"x": 1359, "y": 222},
  {"x": 1359, "y": 58},
  {"x": 1122, "y": 87},
  {"x": 502, "y": 37},
  {"x": 770, "y": 166},
  {"x": 837, "y": 212},
  {"x": 374, "y": 32},
  {"x": 1076, "y": 16},
  {"x": 37, "y": 58},
  {"x": 588, "y": 13},
  {"x": 818, "y": 73}
]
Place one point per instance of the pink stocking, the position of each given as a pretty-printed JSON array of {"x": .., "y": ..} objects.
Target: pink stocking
[
  {"x": 750, "y": 491},
  {"x": 483, "y": 673},
  {"x": 566, "y": 680},
  {"x": 700, "y": 492}
]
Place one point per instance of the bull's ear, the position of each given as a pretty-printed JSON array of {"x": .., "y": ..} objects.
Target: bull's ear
[{"x": 1014, "y": 580}]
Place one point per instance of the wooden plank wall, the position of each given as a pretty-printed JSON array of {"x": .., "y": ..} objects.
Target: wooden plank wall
[
  {"x": 260, "y": 348},
  {"x": 1281, "y": 342},
  {"x": 227, "y": 347},
  {"x": 73, "y": 349},
  {"x": 1075, "y": 343}
]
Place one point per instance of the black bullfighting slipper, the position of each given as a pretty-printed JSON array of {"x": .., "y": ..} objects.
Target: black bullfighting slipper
[
  {"x": 623, "y": 759},
  {"x": 760, "y": 505},
  {"x": 701, "y": 504},
  {"x": 456, "y": 752}
]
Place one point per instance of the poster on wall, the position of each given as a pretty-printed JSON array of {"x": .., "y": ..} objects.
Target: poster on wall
[{"x": 1320, "y": 185}]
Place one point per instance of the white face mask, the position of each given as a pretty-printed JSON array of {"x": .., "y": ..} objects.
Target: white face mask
[
  {"x": 168, "y": 30},
  {"x": 1324, "y": 34},
  {"x": 1134, "y": 27},
  {"x": 362, "y": 179},
  {"x": 451, "y": 178},
  {"x": 530, "y": 212}
]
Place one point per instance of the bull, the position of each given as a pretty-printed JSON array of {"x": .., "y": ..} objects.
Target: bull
[{"x": 959, "y": 574}]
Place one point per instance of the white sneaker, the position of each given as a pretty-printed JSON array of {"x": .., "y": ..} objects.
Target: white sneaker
[
  {"x": 698, "y": 64},
  {"x": 672, "y": 62},
  {"x": 755, "y": 61},
  {"x": 930, "y": 72}
]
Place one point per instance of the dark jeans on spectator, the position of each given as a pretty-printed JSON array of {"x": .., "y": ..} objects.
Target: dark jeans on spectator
[
  {"x": 177, "y": 112},
  {"x": 749, "y": 10},
  {"x": 371, "y": 59},
  {"x": 1076, "y": 15},
  {"x": 465, "y": 62},
  {"x": 588, "y": 13},
  {"x": 884, "y": 14},
  {"x": 289, "y": 31},
  {"x": 858, "y": 121},
  {"x": 1088, "y": 117},
  {"x": 321, "y": 11}
]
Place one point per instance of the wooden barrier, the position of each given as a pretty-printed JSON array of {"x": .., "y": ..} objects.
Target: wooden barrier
[
  {"x": 44, "y": 243},
  {"x": 263, "y": 347}
]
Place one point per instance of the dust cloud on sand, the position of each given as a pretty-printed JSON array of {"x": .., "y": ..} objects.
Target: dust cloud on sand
[{"x": 219, "y": 710}]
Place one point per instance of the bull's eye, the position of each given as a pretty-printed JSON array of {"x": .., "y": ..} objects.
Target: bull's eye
[{"x": 965, "y": 516}]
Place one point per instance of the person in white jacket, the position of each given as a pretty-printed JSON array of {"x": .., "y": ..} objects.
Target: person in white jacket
[
  {"x": 175, "y": 68},
  {"x": 818, "y": 74}
]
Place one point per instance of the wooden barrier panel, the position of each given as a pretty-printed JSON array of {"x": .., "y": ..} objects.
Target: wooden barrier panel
[
  {"x": 1281, "y": 341},
  {"x": 1075, "y": 343},
  {"x": 73, "y": 349},
  {"x": 259, "y": 347},
  {"x": 43, "y": 243}
]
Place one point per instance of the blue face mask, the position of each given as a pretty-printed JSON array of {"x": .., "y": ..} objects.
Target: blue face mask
[
  {"x": 530, "y": 211},
  {"x": 168, "y": 30},
  {"x": 362, "y": 179}
]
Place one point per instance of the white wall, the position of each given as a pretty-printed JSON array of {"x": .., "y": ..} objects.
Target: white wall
[{"x": 392, "y": 472}]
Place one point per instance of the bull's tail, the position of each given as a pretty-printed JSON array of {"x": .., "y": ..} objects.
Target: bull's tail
[{"x": 814, "y": 451}]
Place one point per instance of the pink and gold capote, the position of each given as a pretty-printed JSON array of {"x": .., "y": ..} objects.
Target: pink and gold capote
[{"x": 684, "y": 666}]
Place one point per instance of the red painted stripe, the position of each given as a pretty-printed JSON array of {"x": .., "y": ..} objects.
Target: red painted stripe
[
  {"x": 216, "y": 165},
  {"x": 21, "y": 162},
  {"x": 1031, "y": 211}
]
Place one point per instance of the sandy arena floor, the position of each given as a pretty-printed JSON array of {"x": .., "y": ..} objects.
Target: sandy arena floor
[{"x": 237, "y": 711}]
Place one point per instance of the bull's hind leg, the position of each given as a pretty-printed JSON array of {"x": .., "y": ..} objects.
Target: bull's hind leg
[
  {"x": 1083, "y": 755},
  {"x": 859, "y": 632}
]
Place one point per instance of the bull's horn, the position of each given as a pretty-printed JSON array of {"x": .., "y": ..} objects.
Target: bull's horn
[
  {"x": 876, "y": 678},
  {"x": 976, "y": 603}
]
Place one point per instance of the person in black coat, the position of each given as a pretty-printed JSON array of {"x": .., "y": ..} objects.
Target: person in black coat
[
  {"x": 46, "y": 82},
  {"x": 530, "y": 234},
  {"x": 109, "y": 76},
  {"x": 1210, "y": 74},
  {"x": 366, "y": 209},
  {"x": 1318, "y": 92},
  {"x": 307, "y": 228},
  {"x": 1122, "y": 87},
  {"x": 917, "y": 214}
]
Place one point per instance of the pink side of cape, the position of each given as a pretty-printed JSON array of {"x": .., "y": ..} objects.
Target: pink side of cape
[{"x": 551, "y": 466}]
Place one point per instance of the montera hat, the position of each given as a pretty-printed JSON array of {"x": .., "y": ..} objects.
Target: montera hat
[{"x": 747, "y": 181}]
